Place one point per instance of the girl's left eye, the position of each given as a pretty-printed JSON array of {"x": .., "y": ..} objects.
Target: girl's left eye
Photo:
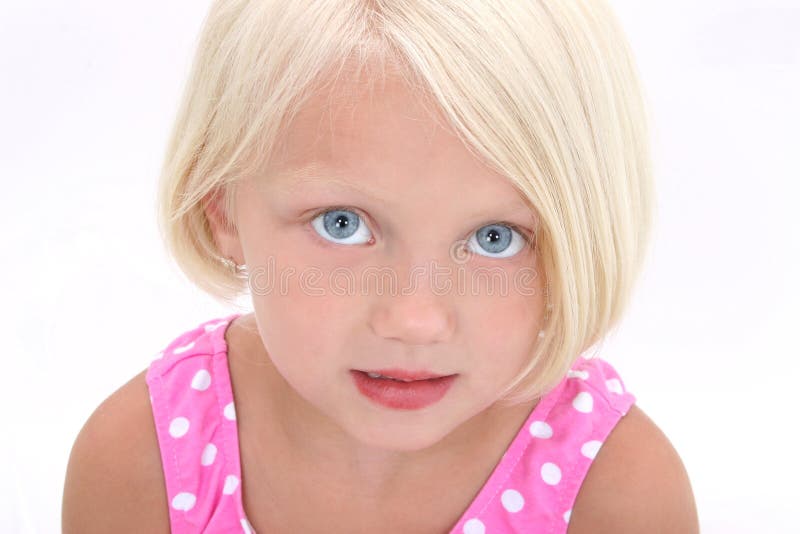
[
  {"x": 342, "y": 226},
  {"x": 497, "y": 241}
]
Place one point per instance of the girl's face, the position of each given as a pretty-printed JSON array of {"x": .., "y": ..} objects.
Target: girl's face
[{"x": 400, "y": 194}]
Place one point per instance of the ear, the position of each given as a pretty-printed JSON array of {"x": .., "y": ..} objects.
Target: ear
[{"x": 226, "y": 237}]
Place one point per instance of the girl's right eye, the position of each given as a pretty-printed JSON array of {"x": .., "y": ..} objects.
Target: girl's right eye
[{"x": 342, "y": 226}]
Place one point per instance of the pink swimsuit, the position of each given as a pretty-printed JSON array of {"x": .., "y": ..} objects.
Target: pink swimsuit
[{"x": 531, "y": 490}]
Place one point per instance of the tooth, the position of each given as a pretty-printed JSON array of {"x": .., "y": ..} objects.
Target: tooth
[{"x": 376, "y": 375}]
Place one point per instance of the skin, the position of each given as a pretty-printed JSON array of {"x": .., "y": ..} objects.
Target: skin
[
  {"x": 637, "y": 483},
  {"x": 419, "y": 191},
  {"x": 316, "y": 455}
]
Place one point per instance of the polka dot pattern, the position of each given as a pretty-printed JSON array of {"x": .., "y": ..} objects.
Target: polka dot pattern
[
  {"x": 590, "y": 448},
  {"x": 201, "y": 380},
  {"x": 231, "y": 482},
  {"x": 531, "y": 489},
  {"x": 551, "y": 473},
  {"x": 583, "y": 402},
  {"x": 192, "y": 401},
  {"x": 512, "y": 500},
  {"x": 209, "y": 454},
  {"x": 183, "y": 348},
  {"x": 210, "y": 327},
  {"x": 583, "y": 375},
  {"x": 615, "y": 386},
  {"x": 184, "y": 501},
  {"x": 178, "y": 427},
  {"x": 474, "y": 526},
  {"x": 540, "y": 429}
]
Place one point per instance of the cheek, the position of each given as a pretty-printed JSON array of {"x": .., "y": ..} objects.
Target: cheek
[
  {"x": 294, "y": 298},
  {"x": 301, "y": 330},
  {"x": 503, "y": 325}
]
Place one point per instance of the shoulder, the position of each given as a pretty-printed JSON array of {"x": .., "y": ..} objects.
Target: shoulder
[
  {"x": 636, "y": 483},
  {"x": 114, "y": 480}
]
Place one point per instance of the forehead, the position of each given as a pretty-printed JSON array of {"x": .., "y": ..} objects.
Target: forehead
[{"x": 385, "y": 138}]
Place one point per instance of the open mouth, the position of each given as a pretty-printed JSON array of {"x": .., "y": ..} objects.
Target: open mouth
[
  {"x": 402, "y": 393},
  {"x": 376, "y": 375},
  {"x": 403, "y": 375}
]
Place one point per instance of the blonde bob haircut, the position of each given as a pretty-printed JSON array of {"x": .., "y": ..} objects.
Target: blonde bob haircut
[{"x": 544, "y": 91}]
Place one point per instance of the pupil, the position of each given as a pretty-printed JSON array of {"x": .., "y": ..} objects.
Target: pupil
[
  {"x": 494, "y": 238},
  {"x": 340, "y": 224}
]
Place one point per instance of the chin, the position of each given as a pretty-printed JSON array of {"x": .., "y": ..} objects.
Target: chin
[
  {"x": 410, "y": 435},
  {"x": 400, "y": 440}
]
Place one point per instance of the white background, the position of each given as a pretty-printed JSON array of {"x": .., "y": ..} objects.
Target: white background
[{"x": 88, "y": 93}]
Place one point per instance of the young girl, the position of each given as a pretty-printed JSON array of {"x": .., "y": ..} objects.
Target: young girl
[{"x": 439, "y": 209}]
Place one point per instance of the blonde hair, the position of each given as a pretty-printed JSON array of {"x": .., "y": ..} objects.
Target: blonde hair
[{"x": 544, "y": 91}]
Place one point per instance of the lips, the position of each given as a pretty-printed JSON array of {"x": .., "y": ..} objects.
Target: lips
[
  {"x": 403, "y": 374},
  {"x": 400, "y": 394}
]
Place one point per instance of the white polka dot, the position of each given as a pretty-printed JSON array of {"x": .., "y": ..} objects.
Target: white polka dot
[
  {"x": 512, "y": 500},
  {"x": 229, "y": 411},
  {"x": 567, "y": 515},
  {"x": 540, "y": 429},
  {"x": 209, "y": 453},
  {"x": 583, "y": 402},
  {"x": 247, "y": 528},
  {"x": 583, "y": 375},
  {"x": 214, "y": 326},
  {"x": 590, "y": 448},
  {"x": 151, "y": 399},
  {"x": 231, "y": 481},
  {"x": 201, "y": 380},
  {"x": 614, "y": 385},
  {"x": 178, "y": 427},
  {"x": 551, "y": 473},
  {"x": 184, "y": 348},
  {"x": 474, "y": 526},
  {"x": 184, "y": 501}
]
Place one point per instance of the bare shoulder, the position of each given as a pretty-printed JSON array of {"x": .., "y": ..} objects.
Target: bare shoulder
[
  {"x": 114, "y": 480},
  {"x": 636, "y": 483}
]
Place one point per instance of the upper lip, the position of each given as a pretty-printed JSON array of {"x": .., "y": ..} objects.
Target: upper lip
[{"x": 403, "y": 374}]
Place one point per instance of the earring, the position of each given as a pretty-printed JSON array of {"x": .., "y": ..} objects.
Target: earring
[{"x": 235, "y": 267}]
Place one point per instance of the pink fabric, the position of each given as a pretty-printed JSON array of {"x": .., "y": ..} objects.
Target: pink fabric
[
  {"x": 192, "y": 401},
  {"x": 531, "y": 490}
]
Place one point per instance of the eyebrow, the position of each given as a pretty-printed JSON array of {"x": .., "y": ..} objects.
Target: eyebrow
[
  {"x": 297, "y": 177},
  {"x": 310, "y": 174},
  {"x": 330, "y": 182}
]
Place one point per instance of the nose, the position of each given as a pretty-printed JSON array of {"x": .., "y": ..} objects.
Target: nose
[{"x": 414, "y": 316}]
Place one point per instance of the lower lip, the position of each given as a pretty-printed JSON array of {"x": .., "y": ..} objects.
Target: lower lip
[{"x": 402, "y": 395}]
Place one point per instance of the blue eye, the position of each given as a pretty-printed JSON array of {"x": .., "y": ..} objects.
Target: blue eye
[
  {"x": 341, "y": 226},
  {"x": 496, "y": 241}
]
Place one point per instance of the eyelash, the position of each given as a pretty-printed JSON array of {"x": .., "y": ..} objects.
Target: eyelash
[{"x": 526, "y": 235}]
